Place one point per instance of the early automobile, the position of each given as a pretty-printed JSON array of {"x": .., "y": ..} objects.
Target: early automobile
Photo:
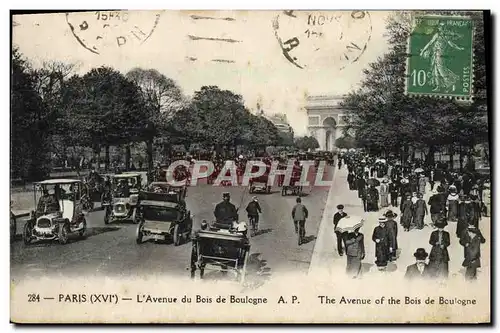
[
  {"x": 294, "y": 186},
  {"x": 219, "y": 249},
  {"x": 260, "y": 184},
  {"x": 163, "y": 216},
  {"x": 125, "y": 196},
  {"x": 58, "y": 213},
  {"x": 165, "y": 187}
]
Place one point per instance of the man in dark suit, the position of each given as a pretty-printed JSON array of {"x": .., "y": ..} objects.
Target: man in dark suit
[
  {"x": 336, "y": 218},
  {"x": 355, "y": 252},
  {"x": 419, "y": 270}
]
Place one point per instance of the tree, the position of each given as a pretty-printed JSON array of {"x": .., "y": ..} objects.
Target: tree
[
  {"x": 163, "y": 99},
  {"x": 104, "y": 108},
  {"x": 306, "y": 143},
  {"x": 346, "y": 142},
  {"x": 30, "y": 123}
]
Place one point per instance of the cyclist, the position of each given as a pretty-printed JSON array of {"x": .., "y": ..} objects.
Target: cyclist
[
  {"x": 253, "y": 210},
  {"x": 299, "y": 215}
]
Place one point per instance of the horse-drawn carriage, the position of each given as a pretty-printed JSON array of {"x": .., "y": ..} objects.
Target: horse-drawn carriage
[{"x": 220, "y": 249}]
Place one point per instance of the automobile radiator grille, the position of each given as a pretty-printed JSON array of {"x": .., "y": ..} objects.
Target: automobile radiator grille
[{"x": 44, "y": 223}]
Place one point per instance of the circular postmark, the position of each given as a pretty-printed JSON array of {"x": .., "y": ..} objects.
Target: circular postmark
[
  {"x": 100, "y": 30},
  {"x": 323, "y": 38}
]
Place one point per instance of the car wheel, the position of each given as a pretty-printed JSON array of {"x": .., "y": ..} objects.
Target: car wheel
[
  {"x": 63, "y": 234},
  {"x": 84, "y": 229},
  {"x": 91, "y": 204},
  {"x": 140, "y": 234},
  {"x": 27, "y": 233},
  {"x": 134, "y": 216},
  {"x": 106, "y": 217},
  {"x": 177, "y": 236}
]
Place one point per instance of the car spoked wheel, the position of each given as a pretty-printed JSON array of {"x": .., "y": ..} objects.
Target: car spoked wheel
[
  {"x": 140, "y": 234},
  {"x": 84, "y": 228},
  {"x": 63, "y": 234},
  {"x": 27, "y": 234},
  {"x": 177, "y": 236},
  {"x": 134, "y": 218}
]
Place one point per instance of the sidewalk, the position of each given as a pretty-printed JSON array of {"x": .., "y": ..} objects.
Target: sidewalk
[{"x": 326, "y": 263}]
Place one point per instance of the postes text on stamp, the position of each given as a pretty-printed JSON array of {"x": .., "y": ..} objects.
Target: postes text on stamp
[{"x": 441, "y": 57}]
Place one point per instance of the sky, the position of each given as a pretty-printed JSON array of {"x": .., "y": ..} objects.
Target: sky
[{"x": 235, "y": 50}]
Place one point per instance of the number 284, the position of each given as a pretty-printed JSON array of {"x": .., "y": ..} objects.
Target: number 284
[{"x": 418, "y": 78}]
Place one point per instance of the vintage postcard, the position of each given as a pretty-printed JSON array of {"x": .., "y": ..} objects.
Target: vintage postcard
[{"x": 287, "y": 166}]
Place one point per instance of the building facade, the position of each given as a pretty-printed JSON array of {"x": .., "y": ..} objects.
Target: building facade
[{"x": 326, "y": 120}]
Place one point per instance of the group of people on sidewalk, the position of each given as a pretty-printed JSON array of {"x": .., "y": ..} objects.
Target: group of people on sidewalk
[{"x": 455, "y": 199}]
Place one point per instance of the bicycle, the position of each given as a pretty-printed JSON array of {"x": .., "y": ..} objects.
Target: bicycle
[
  {"x": 301, "y": 231},
  {"x": 252, "y": 219}
]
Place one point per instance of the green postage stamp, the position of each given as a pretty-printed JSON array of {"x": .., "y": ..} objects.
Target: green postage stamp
[{"x": 441, "y": 57}]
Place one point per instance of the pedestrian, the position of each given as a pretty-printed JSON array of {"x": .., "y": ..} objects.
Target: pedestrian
[
  {"x": 439, "y": 257},
  {"x": 406, "y": 213},
  {"x": 462, "y": 214},
  {"x": 471, "y": 239},
  {"x": 381, "y": 238},
  {"x": 299, "y": 216},
  {"x": 340, "y": 162},
  {"x": 394, "y": 192},
  {"x": 392, "y": 227},
  {"x": 419, "y": 270},
  {"x": 355, "y": 252},
  {"x": 336, "y": 218},
  {"x": 452, "y": 204},
  {"x": 422, "y": 183},
  {"x": 435, "y": 207},
  {"x": 420, "y": 208},
  {"x": 432, "y": 179},
  {"x": 360, "y": 185},
  {"x": 384, "y": 193},
  {"x": 486, "y": 199},
  {"x": 372, "y": 197},
  {"x": 351, "y": 179},
  {"x": 475, "y": 210}
]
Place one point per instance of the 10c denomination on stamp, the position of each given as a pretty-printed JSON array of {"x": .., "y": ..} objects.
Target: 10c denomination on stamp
[{"x": 441, "y": 57}]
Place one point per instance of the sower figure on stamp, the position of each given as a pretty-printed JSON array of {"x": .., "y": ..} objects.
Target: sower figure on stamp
[
  {"x": 355, "y": 252},
  {"x": 336, "y": 218},
  {"x": 471, "y": 239},
  {"x": 419, "y": 270},
  {"x": 381, "y": 238},
  {"x": 439, "y": 257}
]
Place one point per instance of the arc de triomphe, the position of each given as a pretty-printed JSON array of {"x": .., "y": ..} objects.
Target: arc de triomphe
[{"x": 325, "y": 120}]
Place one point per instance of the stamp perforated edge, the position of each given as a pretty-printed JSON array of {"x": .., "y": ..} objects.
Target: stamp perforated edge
[{"x": 458, "y": 98}]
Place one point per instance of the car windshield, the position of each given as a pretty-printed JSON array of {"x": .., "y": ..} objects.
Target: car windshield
[{"x": 160, "y": 213}]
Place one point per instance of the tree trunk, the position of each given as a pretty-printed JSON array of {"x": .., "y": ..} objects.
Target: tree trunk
[
  {"x": 127, "y": 157},
  {"x": 451, "y": 156},
  {"x": 149, "y": 153},
  {"x": 430, "y": 159},
  {"x": 461, "y": 157},
  {"x": 404, "y": 156},
  {"x": 97, "y": 156},
  {"x": 106, "y": 158}
]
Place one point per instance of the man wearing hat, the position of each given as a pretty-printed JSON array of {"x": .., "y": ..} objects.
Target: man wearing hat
[
  {"x": 381, "y": 238},
  {"x": 406, "y": 212},
  {"x": 419, "y": 270},
  {"x": 392, "y": 228},
  {"x": 436, "y": 208},
  {"x": 471, "y": 239},
  {"x": 420, "y": 210},
  {"x": 253, "y": 210},
  {"x": 394, "y": 192},
  {"x": 439, "y": 257},
  {"x": 336, "y": 218},
  {"x": 225, "y": 212},
  {"x": 299, "y": 216}
]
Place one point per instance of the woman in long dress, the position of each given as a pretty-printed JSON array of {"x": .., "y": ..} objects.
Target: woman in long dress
[
  {"x": 406, "y": 213},
  {"x": 453, "y": 205},
  {"x": 384, "y": 193}
]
